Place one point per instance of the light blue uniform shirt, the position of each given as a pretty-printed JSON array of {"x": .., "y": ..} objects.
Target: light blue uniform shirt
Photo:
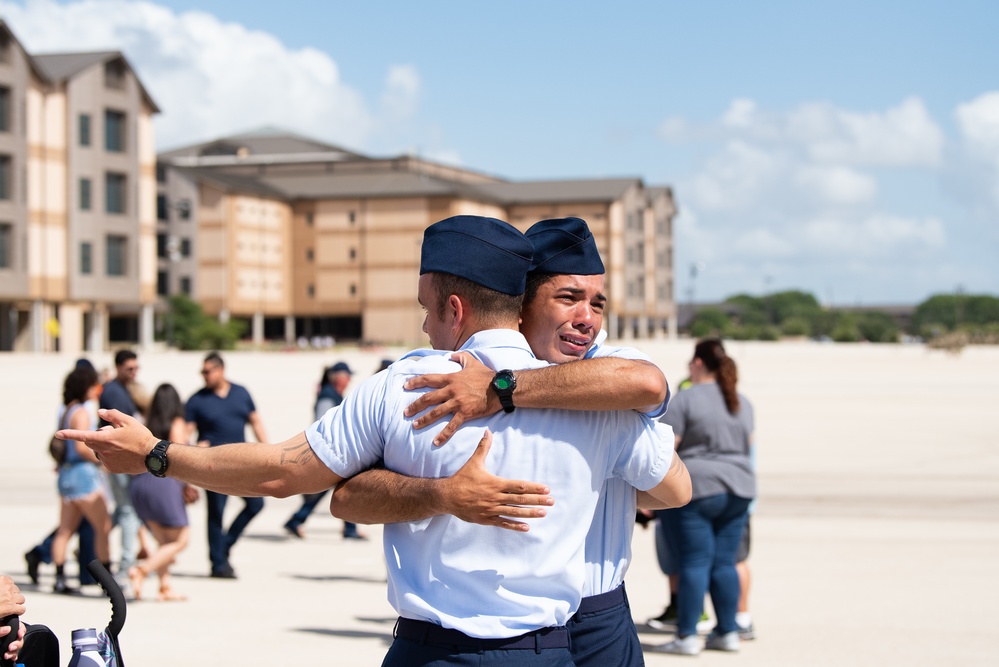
[
  {"x": 478, "y": 579},
  {"x": 608, "y": 542}
]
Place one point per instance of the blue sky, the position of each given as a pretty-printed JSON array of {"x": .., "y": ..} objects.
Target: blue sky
[{"x": 847, "y": 148}]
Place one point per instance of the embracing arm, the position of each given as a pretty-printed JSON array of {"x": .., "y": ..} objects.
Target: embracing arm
[
  {"x": 607, "y": 383},
  {"x": 472, "y": 494},
  {"x": 673, "y": 491},
  {"x": 243, "y": 469}
]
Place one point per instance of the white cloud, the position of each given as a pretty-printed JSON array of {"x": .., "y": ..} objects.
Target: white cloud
[
  {"x": 904, "y": 135},
  {"x": 836, "y": 185},
  {"x": 978, "y": 121},
  {"x": 737, "y": 177},
  {"x": 212, "y": 78},
  {"x": 875, "y": 236}
]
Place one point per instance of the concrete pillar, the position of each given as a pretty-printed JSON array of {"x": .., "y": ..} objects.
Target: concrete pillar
[
  {"x": 224, "y": 316},
  {"x": 643, "y": 326},
  {"x": 671, "y": 327},
  {"x": 147, "y": 327},
  {"x": 37, "y": 326},
  {"x": 71, "y": 329},
  {"x": 289, "y": 329},
  {"x": 258, "y": 328},
  {"x": 611, "y": 326},
  {"x": 96, "y": 334}
]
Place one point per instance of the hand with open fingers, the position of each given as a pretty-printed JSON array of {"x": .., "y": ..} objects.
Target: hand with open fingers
[
  {"x": 477, "y": 496},
  {"x": 121, "y": 446},
  {"x": 465, "y": 395}
]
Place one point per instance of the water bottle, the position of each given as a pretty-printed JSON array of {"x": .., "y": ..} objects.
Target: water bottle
[{"x": 85, "y": 653}]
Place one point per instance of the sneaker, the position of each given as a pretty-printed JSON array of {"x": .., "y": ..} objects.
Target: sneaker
[
  {"x": 225, "y": 573},
  {"x": 747, "y": 632},
  {"x": 689, "y": 645},
  {"x": 705, "y": 623},
  {"x": 665, "y": 620},
  {"x": 61, "y": 588},
  {"x": 728, "y": 641}
]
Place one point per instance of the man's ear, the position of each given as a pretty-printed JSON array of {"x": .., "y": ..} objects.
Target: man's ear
[{"x": 457, "y": 310}]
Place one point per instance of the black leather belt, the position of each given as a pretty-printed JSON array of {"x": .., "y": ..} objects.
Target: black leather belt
[
  {"x": 423, "y": 632},
  {"x": 602, "y": 602}
]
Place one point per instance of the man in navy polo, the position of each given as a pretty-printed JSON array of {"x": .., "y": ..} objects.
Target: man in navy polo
[{"x": 220, "y": 412}]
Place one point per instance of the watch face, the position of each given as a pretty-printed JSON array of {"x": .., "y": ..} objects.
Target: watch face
[
  {"x": 503, "y": 382},
  {"x": 154, "y": 463}
]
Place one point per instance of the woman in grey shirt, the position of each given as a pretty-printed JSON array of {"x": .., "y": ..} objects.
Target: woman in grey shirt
[{"x": 713, "y": 425}]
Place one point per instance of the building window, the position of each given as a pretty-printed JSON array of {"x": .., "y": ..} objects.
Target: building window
[
  {"x": 4, "y": 109},
  {"x": 114, "y": 131},
  {"x": 5, "y": 177},
  {"x": 4, "y": 47},
  {"x": 309, "y": 255},
  {"x": 114, "y": 74},
  {"x": 161, "y": 174},
  {"x": 352, "y": 217},
  {"x": 84, "y": 129},
  {"x": 86, "y": 258},
  {"x": 84, "y": 194},
  {"x": 161, "y": 207},
  {"x": 311, "y": 291},
  {"x": 6, "y": 241},
  {"x": 161, "y": 246},
  {"x": 353, "y": 289},
  {"x": 114, "y": 190},
  {"x": 116, "y": 246},
  {"x": 183, "y": 208},
  {"x": 309, "y": 220},
  {"x": 353, "y": 254},
  {"x": 185, "y": 247},
  {"x": 162, "y": 283},
  {"x": 185, "y": 285}
]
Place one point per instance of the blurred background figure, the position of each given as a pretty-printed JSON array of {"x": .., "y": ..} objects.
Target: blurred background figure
[
  {"x": 161, "y": 501},
  {"x": 42, "y": 552},
  {"x": 116, "y": 396},
  {"x": 385, "y": 364},
  {"x": 332, "y": 386},
  {"x": 220, "y": 412},
  {"x": 80, "y": 484},
  {"x": 713, "y": 426}
]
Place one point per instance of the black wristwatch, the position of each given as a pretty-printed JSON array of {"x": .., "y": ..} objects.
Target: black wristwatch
[
  {"x": 156, "y": 460},
  {"x": 503, "y": 383}
]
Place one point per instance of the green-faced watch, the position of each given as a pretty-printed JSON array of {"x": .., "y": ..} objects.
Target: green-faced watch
[
  {"x": 156, "y": 461},
  {"x": 503, "y": 383}
]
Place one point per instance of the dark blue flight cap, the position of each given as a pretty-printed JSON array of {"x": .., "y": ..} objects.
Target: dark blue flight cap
[
  {"x": 565, "y": 246},
  {"x": 487, "y": 251}
]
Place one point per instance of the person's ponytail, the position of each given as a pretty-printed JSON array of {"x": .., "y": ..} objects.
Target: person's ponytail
[{"x": 712, "y": 354}]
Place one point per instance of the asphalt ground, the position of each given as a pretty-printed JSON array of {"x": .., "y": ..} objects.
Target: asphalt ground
[{"x": 875, "y": 539}]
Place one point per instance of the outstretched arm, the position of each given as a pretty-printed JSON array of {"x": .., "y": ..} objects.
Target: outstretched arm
[
  {"x": 472, "y": 494},
  {"x": 243, "y": 469},
  {"x": 607, "y": 383}
]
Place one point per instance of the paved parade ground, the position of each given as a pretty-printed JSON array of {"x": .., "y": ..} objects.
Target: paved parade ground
[{"x": 875, "y": 539}]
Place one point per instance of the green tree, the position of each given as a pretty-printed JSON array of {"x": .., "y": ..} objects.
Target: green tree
[
  {"x": 193, "y": 330},
  {"x": 952, "y": 310},
  {"x": 710, "y": 322},
  {"x": 846, "y": 329},
  {"x": 877, "y": 327}
]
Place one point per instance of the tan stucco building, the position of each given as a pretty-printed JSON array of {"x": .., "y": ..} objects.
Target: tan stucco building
[
  {"x": 77, "y": 196},
  {"x": 302, "y": 238}
]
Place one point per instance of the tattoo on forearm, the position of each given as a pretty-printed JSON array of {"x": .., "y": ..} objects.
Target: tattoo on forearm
[{"x": 296, "y": 454}]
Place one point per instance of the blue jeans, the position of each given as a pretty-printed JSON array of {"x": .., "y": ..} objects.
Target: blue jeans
[
  {"x": 706, "y": 533},
  {"x": 87, "y": 553},
  {"x": 220, "y": 541}
]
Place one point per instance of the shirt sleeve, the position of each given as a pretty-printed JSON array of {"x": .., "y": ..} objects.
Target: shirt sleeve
[
  {"x": 645, "y": 463},
  {"x": 350, "y": 439}
]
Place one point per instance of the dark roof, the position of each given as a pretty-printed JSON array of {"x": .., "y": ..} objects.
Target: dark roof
[
  {"x": 232, "y": 182},
  {"x": 264, "y": 141},
  {"x": 59, "y": 67},
  {"x": 383, "y": 184},
  {"x": 62, "y": 66},
  {"x": 32, "y": 63},
  {"x": 546, "y": 191}
]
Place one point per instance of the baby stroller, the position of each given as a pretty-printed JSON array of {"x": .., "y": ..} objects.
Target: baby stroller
[{"x": 41, "y": 646}]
